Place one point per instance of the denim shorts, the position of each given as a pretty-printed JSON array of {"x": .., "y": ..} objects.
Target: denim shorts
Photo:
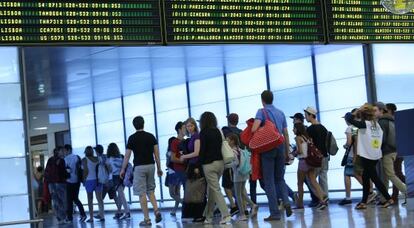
[
  {"x": 144, "y": 181},
  {"x": 93, "y": 185}
]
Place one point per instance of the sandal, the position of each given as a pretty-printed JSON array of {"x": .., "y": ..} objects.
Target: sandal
[
  {"x": 158, "y": 216},
  {"x": 361, "y": 206},
  {"x": 146, "y": 222},
  {"x": 388, "y": 203}
]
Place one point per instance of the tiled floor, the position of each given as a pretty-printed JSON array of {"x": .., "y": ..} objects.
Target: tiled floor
[{"x": 334, "y": 216}]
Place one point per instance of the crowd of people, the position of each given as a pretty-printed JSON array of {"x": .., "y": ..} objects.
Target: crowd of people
[{"x": 196, "y": 162}]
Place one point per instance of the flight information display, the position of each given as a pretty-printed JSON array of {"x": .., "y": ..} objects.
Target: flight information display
[
  {"x": 366, "y": 21},
  {"x": 80, "y": 22},
  {"x": 243, "y": 21}
]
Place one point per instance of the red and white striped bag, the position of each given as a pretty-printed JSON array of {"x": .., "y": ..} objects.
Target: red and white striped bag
[{"x": 266, "y": 137}]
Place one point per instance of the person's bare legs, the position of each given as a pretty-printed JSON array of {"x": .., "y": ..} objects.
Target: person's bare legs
[
  {"x": 90, "y": 205},
  {"x": 144, "y": 206},
  {"x": 347, "y": 180},
  {"x": 301, "y": 180},
  {"x": 100, "y": 204},
  {"x": 153, "y": 200}
]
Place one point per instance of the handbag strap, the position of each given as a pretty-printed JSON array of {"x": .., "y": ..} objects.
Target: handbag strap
[{"x": 267, "y": 118}]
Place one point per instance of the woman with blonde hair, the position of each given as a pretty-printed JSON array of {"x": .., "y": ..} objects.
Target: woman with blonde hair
[{"x": 369, "y": 150}]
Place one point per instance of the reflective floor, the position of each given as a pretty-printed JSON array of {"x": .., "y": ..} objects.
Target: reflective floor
[{"x": 334, "y": 216}]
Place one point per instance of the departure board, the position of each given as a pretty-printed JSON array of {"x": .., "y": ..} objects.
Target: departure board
[
  {"x": 366, "y": 21},
  {"x": 80, "y": 22},
  {"x": 244, "y": 21}
]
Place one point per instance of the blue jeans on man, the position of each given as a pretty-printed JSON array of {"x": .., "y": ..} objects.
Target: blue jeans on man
[{"x": 273, "y": 170}]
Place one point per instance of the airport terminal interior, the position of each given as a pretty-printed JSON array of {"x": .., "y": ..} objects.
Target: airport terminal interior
[
  {"x": 79, "y": 72},
  {"x": 89, "y": 95}
]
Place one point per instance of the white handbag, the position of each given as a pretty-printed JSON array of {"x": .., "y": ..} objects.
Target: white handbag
[{"x": 226, "y": 152}]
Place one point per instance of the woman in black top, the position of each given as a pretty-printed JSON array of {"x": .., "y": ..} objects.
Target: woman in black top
[{"x": 212, "y": 161}]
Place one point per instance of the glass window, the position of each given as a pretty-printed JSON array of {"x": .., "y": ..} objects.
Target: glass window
[
  {"x": 17, "y": 184},
  {"x": 213, "y": 102},
  {"x": 393, "y": 74},
  {"x": 14, "y": 208},
  {"x": 109, "y": 123},
  {"x": 82, "y": 129},
  {"x": 139, "y": 104},
  {"x": 13, "y": 132},
  {"x": 244, "y": 89},
  {"x": 10, "y": 100},
  {"x": 343, "y": 63},
  {"x": 291, "y": 74},
  {"x": 9, "y": 65}
]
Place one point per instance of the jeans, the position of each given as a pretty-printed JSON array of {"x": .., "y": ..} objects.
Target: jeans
[
  {"x": 73, "y": 197},
  {"x": 58, "y": 194},
  {"x": 322, "y": 174},
  {"x": 212, "y": 173},
  {"x": 370, "y": 173},
  {"x": 273, "y": 169}
]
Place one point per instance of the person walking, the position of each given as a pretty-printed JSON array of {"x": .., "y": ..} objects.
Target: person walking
[
  {"x": 273, "y": 161},
  {"x": 74, "y": 168},
  {"x": 144, "y": 145}
]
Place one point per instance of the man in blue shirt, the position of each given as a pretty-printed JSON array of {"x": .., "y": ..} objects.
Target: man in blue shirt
[{"x": 273, "y": 161}]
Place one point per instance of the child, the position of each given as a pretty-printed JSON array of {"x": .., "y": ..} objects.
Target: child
[
  {"x": 304, "y": 170},
  {"x": 240, "y": 180}
]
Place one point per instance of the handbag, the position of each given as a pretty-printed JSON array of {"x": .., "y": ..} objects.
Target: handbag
[
  {"x": 314, "y": 158},
  {"x": 195, "y": 190},
  {"x": 347, "y": 151},
  {"x": 226, "y": 152},
  {"x": 266, "y": 137}
]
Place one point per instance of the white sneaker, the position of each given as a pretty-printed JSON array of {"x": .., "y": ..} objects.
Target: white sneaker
[
  {"x": 242, "y": 218},
  {"x": 226, "y": 220},
  {"x": 208, "y": 221}
]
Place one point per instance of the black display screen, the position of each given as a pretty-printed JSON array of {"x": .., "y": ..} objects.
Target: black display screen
[
  {"x": 80, "y": 22},
  {"x": 244, "y": 21},
  {"x": 366, "y": 21}
]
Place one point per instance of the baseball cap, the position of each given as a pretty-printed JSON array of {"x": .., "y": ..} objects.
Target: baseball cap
[
  {"x": 311, "y": 110},
  {"x": 380, "y": 105},
  {"x": 298, "y": 115},
  {"x": 233, "y": 118}
]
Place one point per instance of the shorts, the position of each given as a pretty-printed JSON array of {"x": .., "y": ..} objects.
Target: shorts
[
  {"x": 227, "y": 179},
  {"x": 303, "y": 166},
  {"x": 93, "y": 185},
  {"x": 358, "y": 168},
  {"x": 177, "y": 178},
  {"x": 144, "y": 181}
]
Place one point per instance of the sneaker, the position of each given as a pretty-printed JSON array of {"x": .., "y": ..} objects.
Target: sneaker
[
  {"x": 288, "y": 210},
  {"x": 89, "y": 220},
  {"x": 125, "y": 216},
  {"x": 321, "y": 206},
  {"x": 67, "y": 221},
  {"x": 246, "y": 212},
  {"x": 99, "y": 218},
  {"x": 145, "y": 222},
  {"x": 242, "y": 218},
  {"x": 313, "y": 204},
  {"x": 271, "y": 218},
  {"x": 255, "y": 208},
  {"x": 298, "y": 208},
  {"x": 117, "y": 215},
  {"x": 326, "y": 199},
  {"x": 234, "y": 211},
  {"x": 371, "y": 197},
  {"x": 208, "y": 221},
  {"x": 158, "y": 217},
  {"x": 199, "y": 220},
  {"x": 225, "y": 220},
  {"x": 345, "y": 202},
  {"x": 83, "y": 218}
]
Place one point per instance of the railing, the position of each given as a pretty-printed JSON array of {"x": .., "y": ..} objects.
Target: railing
[{"x": 39, "y": 223}]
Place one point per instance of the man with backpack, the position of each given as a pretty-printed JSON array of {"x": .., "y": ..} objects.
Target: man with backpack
[
  {"x": 388, "y": 147},
  {"x": 318, "y": 133},
  {"x": 73, "y": 167}
]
